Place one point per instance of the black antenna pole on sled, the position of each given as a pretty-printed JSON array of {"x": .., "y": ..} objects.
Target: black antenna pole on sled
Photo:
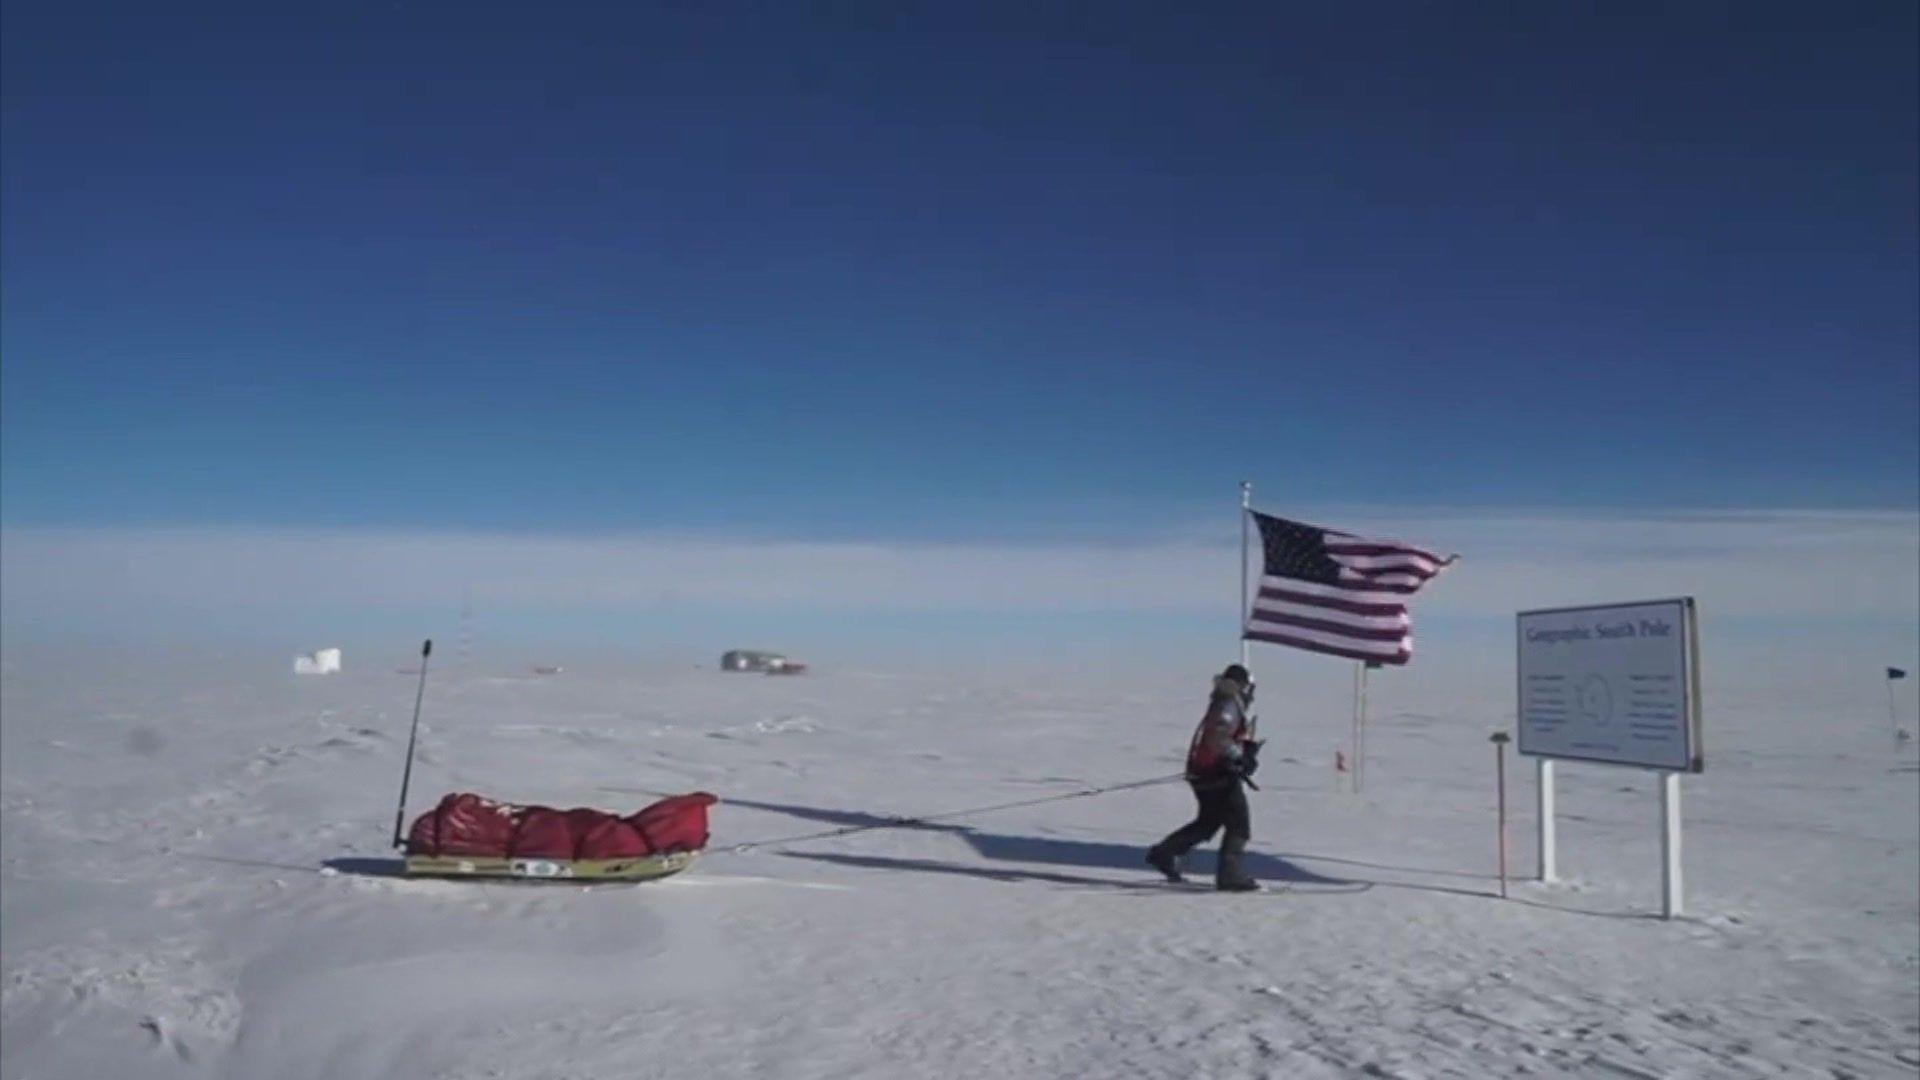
[{"x": 400, "y": 812}]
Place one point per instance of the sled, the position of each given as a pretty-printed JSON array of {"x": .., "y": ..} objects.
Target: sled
[
  {"x": 644, "y": 868},
  {"x": 467, "y": 836}
]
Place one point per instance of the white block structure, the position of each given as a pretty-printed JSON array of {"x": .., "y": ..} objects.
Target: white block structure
[{"x": 322, "y": 662}]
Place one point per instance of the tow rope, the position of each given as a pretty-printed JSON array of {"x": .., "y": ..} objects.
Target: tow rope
[{"x": 928, "y": 819}]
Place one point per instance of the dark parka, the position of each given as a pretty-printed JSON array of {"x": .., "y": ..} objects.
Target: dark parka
[
  {"x": 1221, "y": 753},
  {"x": 1219, "y": 743}
]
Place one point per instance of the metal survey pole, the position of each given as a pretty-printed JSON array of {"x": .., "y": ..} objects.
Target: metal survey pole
[{"x": 406, "y": 777}]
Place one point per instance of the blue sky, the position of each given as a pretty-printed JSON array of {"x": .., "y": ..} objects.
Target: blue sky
[
  {"x": 870, "y": 273},
  {"x": 598, "y": 313}
]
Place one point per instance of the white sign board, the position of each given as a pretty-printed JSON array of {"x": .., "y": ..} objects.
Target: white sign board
[{"x": 1617, "y": 683}]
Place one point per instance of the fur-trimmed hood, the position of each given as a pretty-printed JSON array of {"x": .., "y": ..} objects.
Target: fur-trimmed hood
[{"x": 1225, "y": 687}]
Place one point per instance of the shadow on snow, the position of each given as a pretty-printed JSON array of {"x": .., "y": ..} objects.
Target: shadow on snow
[
  {"x": 1046, "y": 851},
  {"x": 1002, "y": 847}
]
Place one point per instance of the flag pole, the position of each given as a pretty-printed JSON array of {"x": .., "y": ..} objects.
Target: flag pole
[
  {"x": 1360, "y": 752},
  {"x": 1353, "y": 763},
  {"x": 1246, "y": 504}
]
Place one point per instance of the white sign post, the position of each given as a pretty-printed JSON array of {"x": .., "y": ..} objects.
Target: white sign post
[{"x": 1617, "y": 684}]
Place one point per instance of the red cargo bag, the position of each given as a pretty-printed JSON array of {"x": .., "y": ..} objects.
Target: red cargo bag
[
  {"x": 463, "y": 824},
  {"x": 612, "y": 838},
  {"x": 675, "y": 824},
  {"x": 544, "y": 833}
]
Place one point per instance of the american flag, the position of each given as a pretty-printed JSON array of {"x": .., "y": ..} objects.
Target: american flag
[{"x": 1333, "y": 592}]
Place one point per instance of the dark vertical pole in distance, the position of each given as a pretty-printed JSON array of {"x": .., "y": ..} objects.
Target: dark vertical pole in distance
[
  {"x": 1499, "y": 741},
  {"x": 406, "y": 776}
]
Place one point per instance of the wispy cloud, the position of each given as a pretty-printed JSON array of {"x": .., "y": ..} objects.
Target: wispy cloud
[
  {"x": 1772, "y": 564},
  {"x": 1794, "y": 565}
]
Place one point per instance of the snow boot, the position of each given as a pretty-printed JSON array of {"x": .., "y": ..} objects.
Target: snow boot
[
  {"x": 1166, "y": 862},
  {"x": 1231, "y": 877}
]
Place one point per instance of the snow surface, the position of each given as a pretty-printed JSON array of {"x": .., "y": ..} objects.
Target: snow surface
[{"x": 197, "y": 882}]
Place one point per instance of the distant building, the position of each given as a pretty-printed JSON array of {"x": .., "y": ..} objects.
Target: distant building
[
  {"x": 769, "y": 663},
  {"x": 750, "y": 660},
  {"x": 319, "y": 662}
]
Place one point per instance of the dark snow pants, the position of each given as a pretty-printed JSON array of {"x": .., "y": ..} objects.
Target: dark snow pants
[{"x": 1223, "y": 804}]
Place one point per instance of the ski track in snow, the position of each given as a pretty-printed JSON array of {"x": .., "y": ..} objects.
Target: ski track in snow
[{"x": 166, "y": 911}]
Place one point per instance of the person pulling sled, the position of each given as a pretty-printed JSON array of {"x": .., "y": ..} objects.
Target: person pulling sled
[{"x": 1222, "y": 756}]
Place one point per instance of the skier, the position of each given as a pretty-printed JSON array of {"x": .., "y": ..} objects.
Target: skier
[{"x": 1222, "y": 755}]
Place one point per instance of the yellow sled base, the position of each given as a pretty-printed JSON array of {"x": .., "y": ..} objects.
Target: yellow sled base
[{"x": 639, "y": 868}]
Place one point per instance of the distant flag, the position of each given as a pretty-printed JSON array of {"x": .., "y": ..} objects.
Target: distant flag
[
  {"x": 1895, "y": 673},
  {"x": 1333, "y": 592}
]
